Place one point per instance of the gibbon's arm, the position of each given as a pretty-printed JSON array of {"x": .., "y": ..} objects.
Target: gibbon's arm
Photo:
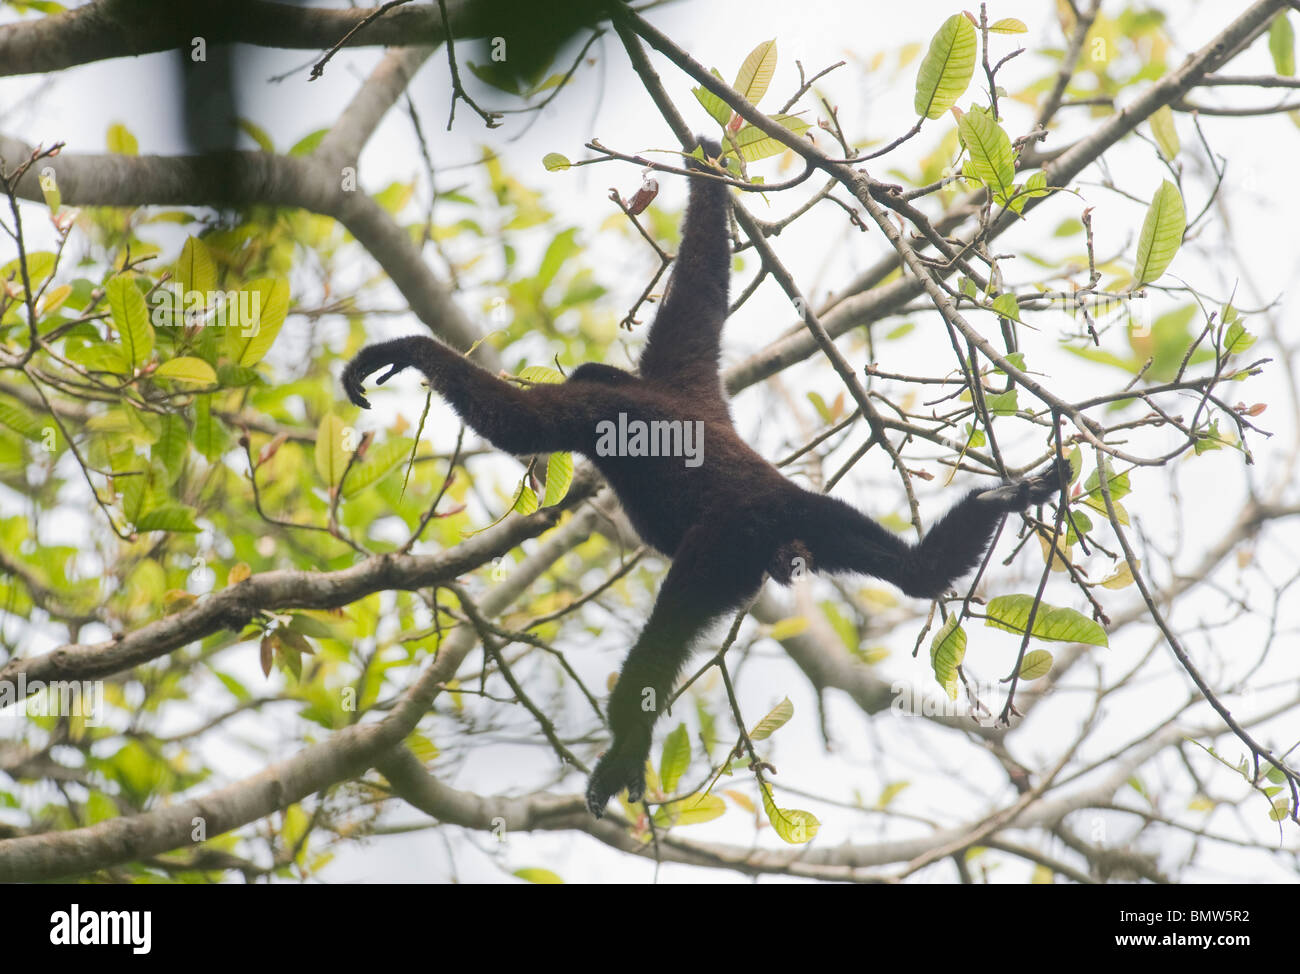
[
  {"x": 684, "y": 343},
  {"x": 843, "y": 539},
  {"x": 716, "y": 568},
  {"x": 543, "y": 418}
]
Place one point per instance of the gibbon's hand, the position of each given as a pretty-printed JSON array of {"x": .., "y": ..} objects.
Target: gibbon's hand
[
  {"x": 1034, "y": 490},
  {"x": 622, "y": 766},
  {"x": 371, "y": 359}
]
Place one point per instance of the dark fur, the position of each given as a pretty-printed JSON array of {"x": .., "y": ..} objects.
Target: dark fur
[{"x": 726, "y": 522}]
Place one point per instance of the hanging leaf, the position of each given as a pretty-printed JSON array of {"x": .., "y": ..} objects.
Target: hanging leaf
[
  {"x": 1162, "y": 233},
  {"x": 559, "y": 475},
  {"x": 554, "y": 161},
  {"x": 791, "y": 824},
  {"x": 947, "y": 650},
  {"x": 1164, "y": 132},
  {"x": 1036, "y": 664},
  {"x": 674, "y": 758},
  {"x": 947, "y": 67},
  {"x": 187, "y": 369},
  {"x": 331, "y": 458},
  {"x": 1011, "y": 613},
  {"x": 1281, "y": 44}
]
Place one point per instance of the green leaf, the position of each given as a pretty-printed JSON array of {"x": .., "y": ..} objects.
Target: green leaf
[
  {"x": 1037, "y": 663},
  {"x": 380, "y": 459},
  {"x": 1166, "y": 135},
  {"x": 554, "y": 161},
  {"x": 270, "y": 303},
  {"x": 1008, "y": 25},
  {"x": 1237, "y": 339},
  {"x": 257, "y": 134},
  {"x": 168, "y": 517},
  {"x": 755, "y": 73},
  {"x": 991, "y": 156},
  {"x": 541, "y": 373},
  {"x": 187, "y": 369},
  {"x": 755, "y": 144},
  {"x": 17, "y": 417},
  {"x": 947, "y": 67},
  {"x": 1281, "y": 44},
  {"x": 947, "y": 650},
  {"x": 1011, "y": 612},
  {"x": 210, "y": 434},
  {"x": 690, "y": 811},
  {"x": 559, "y": 475},
  {"x": 120, "y": 140},
  {"x": 525, "y": 500},
  {"x": 717, "y": 108},
  {"x": 1162, "y": 233},
  {"x": 773, "y": 722},
  {"x": 195, "y": 268},
  {"x": 542, "y": 877},
  {"x": 674, "y": 759},
  {"x": 791, "y": 824},
  {"x": 131, "y": 318},
  {"x": 331, "y": 458}
]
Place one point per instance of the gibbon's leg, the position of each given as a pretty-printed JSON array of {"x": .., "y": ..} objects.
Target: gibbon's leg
[
  {"x": 684, "y": 341},
  {"x": 715, "y": 569},
  {"x": 843, "y": 539},
  {"x": 539, "y": 419}
]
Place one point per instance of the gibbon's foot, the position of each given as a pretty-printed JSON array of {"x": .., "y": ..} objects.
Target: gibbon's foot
[
  {"x": 620, "y": 767},
  {"x": 1033, "y": 490},
  {"x": 354, "y": 376}
]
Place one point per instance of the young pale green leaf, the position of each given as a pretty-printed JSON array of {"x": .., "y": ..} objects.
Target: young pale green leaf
[
  {"x": 755, "y": 73},
  {"x": 791, "y": 824},
  {"x": 690, "y": 811},
  {"x": 525, "y": 500},
  {"x": 773, "y": 722},
  {"x": 542, "y": 877},
  {"x": 195, "y": 268},
  {"x": 1008, "y": 25},
  {"x": 210, "y": 436},
  {"x": 1162, "y": 233},
  {"x": 554, "y": 161},
  {"x": 1237, "y": 339},
  {"x": 1037, "y": 663},
  {"x": 947, "y": 650},
  {"x": 380, "y": 459},
  {"x": 717, "y": 108},
  {"x": 168, "y": 517},
  {"x": 541, "y": 373},
  {"x": 559, "y": 475},
  {"x": 120, "y": 140},
  {"x": 187, "y": 369},
  {"x": 1166, "y": 135},
  {"x": 131, "y": 318},
  {"x": 755, "y": 144},
  {"x": 991, "y": 156},
  {"x": 271, "y": 303},
  {"x": 1281, "y": 44},
  {"x": 947, "y": 67},
  {"x": 1011, "y": 613},
  {"x": 674, "y": 759},
  {"x": 331, "y": 457}
]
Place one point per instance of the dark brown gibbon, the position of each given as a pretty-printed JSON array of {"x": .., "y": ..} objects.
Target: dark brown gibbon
[{"x": 726, "y": 517}]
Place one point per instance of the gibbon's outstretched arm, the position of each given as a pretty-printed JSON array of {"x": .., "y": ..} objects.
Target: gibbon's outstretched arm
[
  {"x": 539, "y": 419},
  {"x": 684, "y": 343},
  {"x": 842, "y": 539},
  {"x": 718, "y": 566}
]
